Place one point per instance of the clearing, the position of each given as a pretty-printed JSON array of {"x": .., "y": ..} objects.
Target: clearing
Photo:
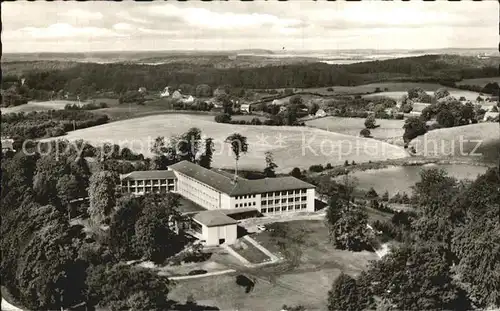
[
  {"x": 370, "y": 88},
  {"x": 291, "y": 146},
  {"x": 316, "y": 264},
  {"x": 389, "y": 129}
]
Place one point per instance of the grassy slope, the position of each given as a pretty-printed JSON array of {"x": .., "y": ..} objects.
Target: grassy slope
[
  {"x": 444, "y": 142},
  {"x": 291, "y": 146}
]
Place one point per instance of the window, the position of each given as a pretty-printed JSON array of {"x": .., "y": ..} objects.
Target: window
[
  {"x": 303, "y": 191},
  {"x": 283, "y": 192},
  {"x": 297, "y": 199},
  {"x": 290, "y": 199},
  {"x": 269, "y": 202},
  {"x": 277, "y": 201},
  {"x": 283, "y": 200},
  {"x": 263, "y": 202},
  {"x": 263, "y": 210},
  {"x": 290, "y": 207},
  {"x": 264, "y": 195},
  {"x": 237, "y": 205},
  {"x": 253, "y": 203},
  {"x": 277, "y": 193},
  {"x": 270, "y": 210},
  {"x": 283, "y": 208},
  {"x": 297, "y": 207},
  {"x": 304, "y": 206},
  {"x": 245, "y": 205},
  {"x": 304, "y": 198}
]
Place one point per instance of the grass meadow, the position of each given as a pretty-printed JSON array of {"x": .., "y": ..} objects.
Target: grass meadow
[
  {"x": 352, "y": 126},
  {"x": 291, "y": 146}
]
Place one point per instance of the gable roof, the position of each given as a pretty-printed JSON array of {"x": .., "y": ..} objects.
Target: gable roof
[
  {"x": 240, "y": 186},
  {"x": 214, "y": 218},
  {"x": 148, "y": 175}
]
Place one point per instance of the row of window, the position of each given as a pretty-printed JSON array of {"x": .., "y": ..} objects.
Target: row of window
[
  {"x": 197, "y": 195},
  {"x": 289, "y": 200},
  {"x": 148, "y": 182},
  {"x": 151, "y": 189},
  {"x": 249, "y": 196},
  {"x": 288, "y": 192},
  {"x": 283, "y": 208},
  {"x": 245, "y": 204}
]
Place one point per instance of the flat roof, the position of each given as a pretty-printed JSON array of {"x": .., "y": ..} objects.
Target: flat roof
[
  {"x": 163, "y": 174},
  {"x": 214, "y": 218},
  {"x": 187, "y": 206},
  {"x": 240, "y": 186}
]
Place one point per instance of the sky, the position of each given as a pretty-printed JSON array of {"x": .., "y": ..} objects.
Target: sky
[{"x": 232, "y": 25}]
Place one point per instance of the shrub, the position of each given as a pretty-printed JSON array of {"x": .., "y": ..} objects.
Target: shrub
[
  {"x": 365, "y": 133},
  {"x": 370, "y": 122},
  {"x": 223, "y": 118},
  {"x": 316, "y": 168},
  {"x": 346, "y": 163},
  {"x": 328, "y": 166},
  {"x": 330, "y": 89}
]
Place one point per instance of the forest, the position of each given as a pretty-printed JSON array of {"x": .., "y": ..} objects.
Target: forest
[{"x": 87, "y": 78}]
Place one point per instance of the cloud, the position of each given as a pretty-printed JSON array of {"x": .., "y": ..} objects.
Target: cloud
[
  {"x": 126, "y": 16},
  {"x": 123, "y": 26},
  {"x": 62, "y": 30},
  {"x": 205, "y": 18},
  {"x": 83, "y": 14}
]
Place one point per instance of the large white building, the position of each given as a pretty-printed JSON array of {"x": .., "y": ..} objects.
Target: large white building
[{"x": 222, "y": 195}]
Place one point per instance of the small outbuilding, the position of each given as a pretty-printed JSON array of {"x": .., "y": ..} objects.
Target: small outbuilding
[{"x": 215, "y": 227}]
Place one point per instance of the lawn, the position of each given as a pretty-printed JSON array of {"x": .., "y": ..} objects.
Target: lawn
[
  {"x": 370, "y": 88},
  {"x": 40, "y": 106},
  {"x": 480, "y": 81},
  {"x": 450, "y": 141},
  {"x": 248, "y": 117},
  {"x": 306, "y": 284},
  {"x": 291, "y": 146},
  {"x": 249, "y": 251},
  {"x": 457, "y": 93},
  {"x": 352, "y": 126}
]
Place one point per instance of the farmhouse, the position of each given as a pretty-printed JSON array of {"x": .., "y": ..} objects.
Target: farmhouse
[
  {"x": 7, "y": 144},
  {"x": 320, "y": 113},
  {"x": 245, "y": 108},
  {"x": 222, "y": 195}
]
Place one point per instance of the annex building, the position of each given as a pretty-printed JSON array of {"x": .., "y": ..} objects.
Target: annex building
[{"x": 221, "y": 195}]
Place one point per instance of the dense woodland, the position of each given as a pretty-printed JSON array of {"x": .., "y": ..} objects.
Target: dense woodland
[{"x": 87, "y": 78}]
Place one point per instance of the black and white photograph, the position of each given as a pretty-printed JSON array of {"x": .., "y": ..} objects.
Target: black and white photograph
[{"x": 258, "y": 155}]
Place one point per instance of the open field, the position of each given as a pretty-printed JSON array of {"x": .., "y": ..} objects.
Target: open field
[
  {"x": 247, "y": 117},
  {"x": 40, "y": 106},
  {"x": 370, "y": 88},
  {"x": 480, "y": 81},
  {"x": 291, "y": 146},
  {"x": 307, "y": 284},
  {"x": 352, "y": 126},
  {"x": 462, "y": 139}
]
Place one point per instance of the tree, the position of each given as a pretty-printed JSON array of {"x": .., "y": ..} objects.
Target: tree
[
  {"x": 395, "y": 275},
  {"x": 101, "y": 195},
  {"x": 385, "y": 196},
  {"x": 122, "y": 227},
  {"x": 372, "y": 194},
  {"x": 124, "y": 287},
  {"x": 313, "y": 108},
  {"x": 67, "y": 189},
  {"x": 494, "y": 109},
  {"x": 155, "y": 230},
  {"x": 296, "y": 173},
  {"x": 440, "y": 93},
  {"x": 270, "y": 165},
  {"x": 415, "y": 92},
  {"x": 205, "y": 159},
  {"x": 344, "y": 295},
  {"x": 365, "y": 132},
  {"x": 413, "y": 127},
  {"x": 479, "y": 99},
  {"x": 370, "y": 122},
  {"x": 188, "y": 145},
  {"x": 406, "y": 107},
  {"x": 255, "y": 121},
  {"x": 445, "y": 118},
  {"x": 203, "y": 90},
  {"x": 296, "y": 100},
  {"x": 239, "y": 146}
]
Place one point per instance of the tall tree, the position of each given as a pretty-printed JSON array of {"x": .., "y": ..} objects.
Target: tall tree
[
  {"x": 239, "y": 146},
  {"x": 102, "y": 195},
  {"x": 269, "y": 171},
  {"x": 206, "y": 157},
  {"x": 344, "y": 295}
]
